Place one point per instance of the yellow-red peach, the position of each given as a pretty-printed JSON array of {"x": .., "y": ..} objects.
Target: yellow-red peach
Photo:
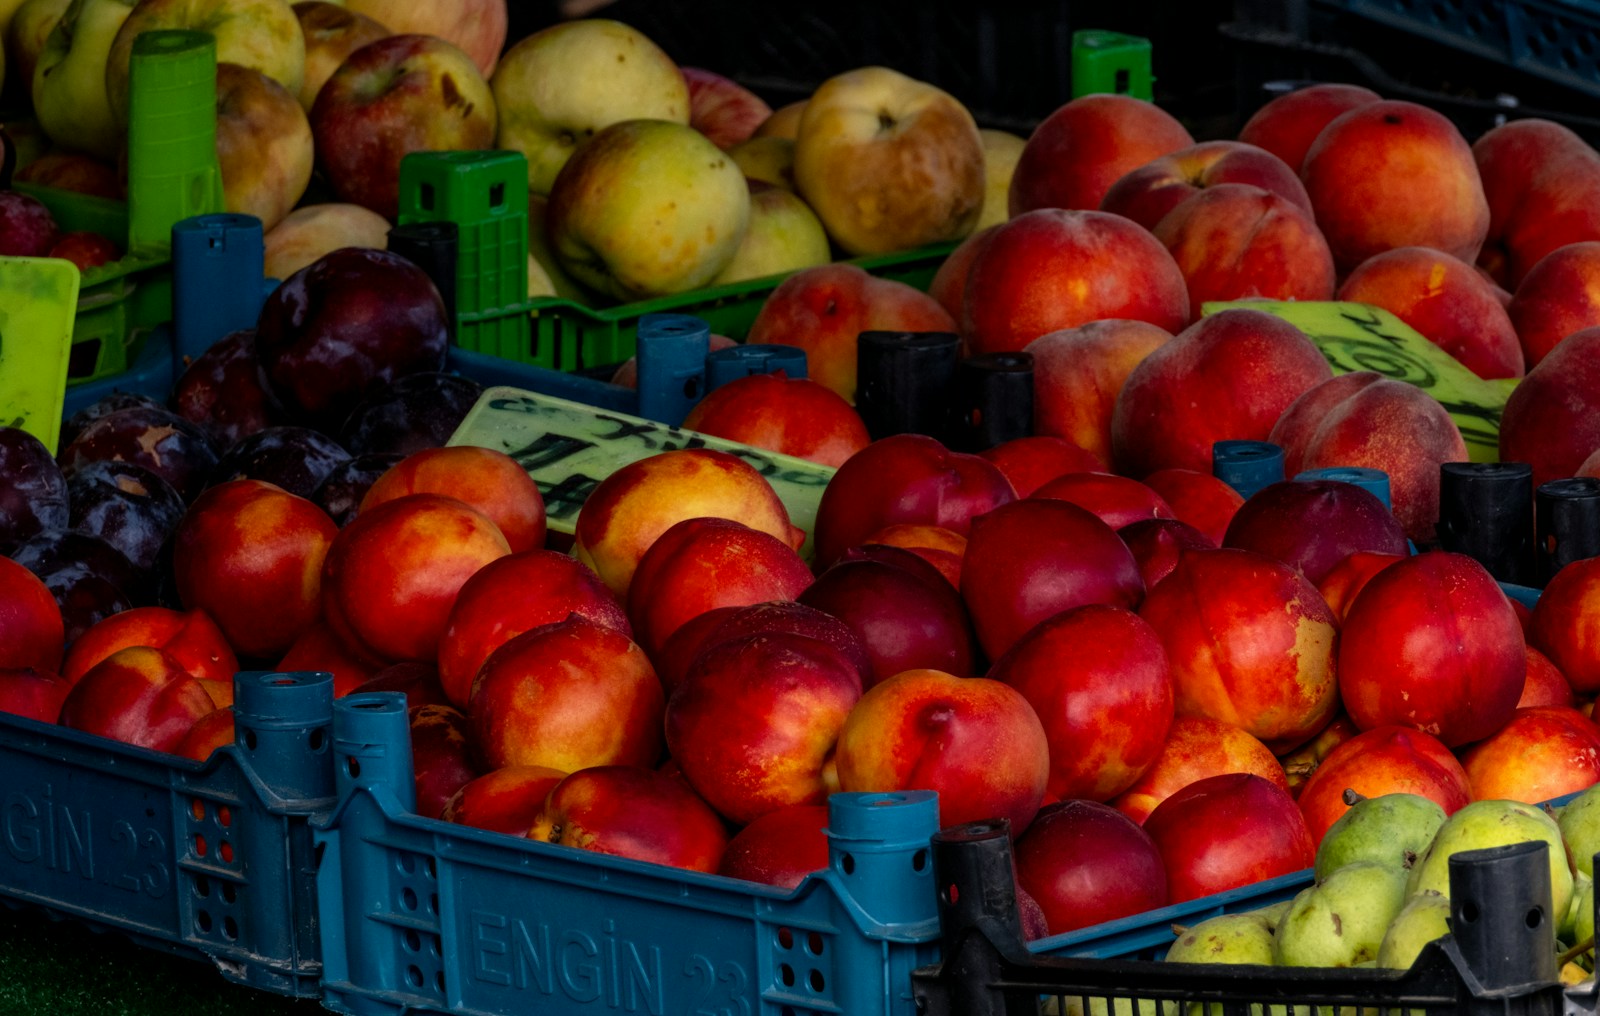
[
  {"x": 1288, "y": 124},
  {"x": 138, "y": 695},
  {"x": 1076, "y": 153},
  {"x": 488, "y": 480},
  {"x": 1196, "y": 747},
  {"x": 1077, "y": 374}
]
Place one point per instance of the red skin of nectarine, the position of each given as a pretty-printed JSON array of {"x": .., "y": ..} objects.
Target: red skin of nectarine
[
  {"x": 784, "y": 616},
  {"x": 1197, "y": 747},
  {"x": 506, "y": 800},
  {"x": 568, "y": 695},
  {"x": 1559, "y": 295},
  {"x": 1299, "y": 764},
  {"x": 753, "y": 726},
  {"x": 1157, "y": 544},
  {"x": 1077, "y": 375},
  {"x": 976, "y": 741},
  {"x": 1085, "y": 863},
  {"x": 1314, "y": 525},
  {"x": 441, "y": 756},
  {"x": 905, "y": 620},
  {"x": 1544, "y": 684},
  {"x": 1031, "y": 462},
  {"x": 1541, "y": 753},
  {"x": 392, "y": 574},
  {"x": 32, "y": 633},
  {"x": 514, "y": 594},
  {"x": 793, "y": 416},
  {"x": 1051, "y": 269},
  {"x": 1552, "y": 417},
  {"x": 1250, "y": 642},
  {"x": 1542, "y": 182},
  {"x": 1565, "y": 625},
  {"x": 1288, "y": 124},
  {"x": 702, "y": 564},
  {"x": 1383, "y": 760},
  {"x": 1228, "y": 831},
  {"x": 1197, "y": 498},
  {"x": 781, "y": 847},
  {"x": 943, "y": 548},
  {"x": 250, "y": 555},
  {"x": 1031, "y": 559},
  {"x": 1447, "y": 301},
  {"x": 1395, "y": 174},
  {"x": 210, "y": 732},
  {"x": 1148, "y": 193},
  {"x": 416, "y": 680},
  {"x": 1076, "y": 153},
  {"x": 138, "y": 695},
  {"x": 632, "y": 812},
  {"x": 1230, "y": 375},
  {"x": 906, "y": 478},
  {"x": 489, "y": 480},
  {"x": 1341, "y": 584},
  {"x": 1117, "y": 500},
  {"x": 318, "y": 648},
  {"x": 188, "y": 636},
  {"x": 1432, "y": 643},
  {"x": 1097, "y": 677},
  {"x": 949, "y": 285},
  {"x": 36, "y": 694}
]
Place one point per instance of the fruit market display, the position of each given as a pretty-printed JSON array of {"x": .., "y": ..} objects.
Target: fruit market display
[{"x": 1168, "y": 689}]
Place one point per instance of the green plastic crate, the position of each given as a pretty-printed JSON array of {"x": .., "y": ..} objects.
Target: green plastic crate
[{"x": 172, "y": 174}]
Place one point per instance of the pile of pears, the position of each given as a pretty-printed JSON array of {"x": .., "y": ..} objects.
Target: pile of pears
[{"x": 1382, "y": 883}]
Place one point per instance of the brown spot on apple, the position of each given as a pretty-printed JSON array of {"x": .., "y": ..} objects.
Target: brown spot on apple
[{"x": 452, "y": 94}]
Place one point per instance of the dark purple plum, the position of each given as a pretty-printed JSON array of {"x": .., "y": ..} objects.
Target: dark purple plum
[
  {"x": 33, "y": 491},
  {"x": 73, "y": 425},
  {"x": 89, "y": 578},
  {"x": 225, "y": 390},
  {"x": 297, "y": 459},
  {"x": 341, "y": 493},
  {"x": 415, "y": 412},
  {"x": 127, "y": 506},
  {"x": 352, "y": 320},
  {"x": 158, "y": 439}
]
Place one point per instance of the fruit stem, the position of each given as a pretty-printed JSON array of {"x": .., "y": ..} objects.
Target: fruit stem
[
  {"x": 1587, "y": 945},
  {"x": 1352, "y": 797}
]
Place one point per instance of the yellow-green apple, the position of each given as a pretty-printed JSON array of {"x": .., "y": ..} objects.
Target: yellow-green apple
[
  {"x": 701, "y": 564},
  {"x": 633, "y": 506},
  {"x": 261, "y": 34},
  {"x": 1395, "y": 174},
  {"x": 26, "y": 34},
  {"x": 784, "y": 235},
  {"x": 784, "y": 121},
  {"x": 889, "y": 162},
  {"x": 512, "y": 595},
  {"x": 477, "y": 27},
  {"x": 138, "y": 695},
  {"x": 1558, "y": 296},
  {"x": 1366, "y": 420},
  {"x": 567, "y": 695},
  {"x": 311, "y": 231},
  {"x": 769, "y": 159},
  {"x": 264, "y": 145},
  {"x": 1315, "y": 525},
  {"x": 333, "y": 31},
  {"x": 1031, "y": 559},
  {"x": 561, "y": 85},
  {"x": 1253, "y": 831},
  {"x": 1001, "y": 150},
  {"x": 1148, "y": 193},
  {"x": 69, "y": 80},
  {"x": 1078, "y": 372},
  {"x": 630, "y": 811},
  {"x": 1432, "y": 643},
  {"x": 795, "y": 416},
  {"x": 1447, "y": 301},
  {"x": 1171, "y": 409},
  {"x": 544, "y": 269},
  {"x": 823, "y": 310},
  {"x": 1250, "y": 642},
  {"x": 1050, "y": 269},
  {"x": 647, "y": 208},
  {"x": 754, "y": 724},
  {"x": 1384, "y": 760},
  {"x": 974, "y": 740},
  {"x": 1074, "y": 156},
  {"x": 1552, "y": 418},
  {"x": 398, "y": 95},
  {"x": 721, "y": 108},
  {"x": 1098, "y": 678},
  {"x": 1236, "y": 241},
  {"x": 1287, "y": 125},
  {"x": 1543, "y": 185},
  {"x": 905, "y": 478},
  {"x": 1197, "y": 747}
]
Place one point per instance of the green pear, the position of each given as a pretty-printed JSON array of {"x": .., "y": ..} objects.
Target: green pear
[
  {"x": 69, "y": 81},
  {"x": 1393, "y": 829},
  {"x": 1582, "y": 902},
  {"x": 1425, "y": 917},
  {"x": 1493, "y": 824},
  {"x": 1580, "y": 827},
  {"x": 1340, "y": 921},
  {"x": 1226, "y": 938}
]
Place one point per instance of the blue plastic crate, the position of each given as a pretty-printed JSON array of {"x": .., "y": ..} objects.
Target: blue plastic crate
[{"x": 210, "y": 860}]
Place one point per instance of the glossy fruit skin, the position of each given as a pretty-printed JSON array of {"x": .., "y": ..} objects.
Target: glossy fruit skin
[
  {"x": 340, "y": 492},
  {"x": 411, "y": 413},
  {"x": 225, "y": 390},
  {"x": 297, "y": 459},
  {"x": 33, "y": 491},
  {"x": 157, "y": 439},
  {"x": 127, "y": 506}
]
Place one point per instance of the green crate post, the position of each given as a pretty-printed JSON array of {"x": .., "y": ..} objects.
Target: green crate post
[
  {"x": 486, "y": 195},
  {"x": 172, "y": 136},
  {"x": 1105, "y": 61}
]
